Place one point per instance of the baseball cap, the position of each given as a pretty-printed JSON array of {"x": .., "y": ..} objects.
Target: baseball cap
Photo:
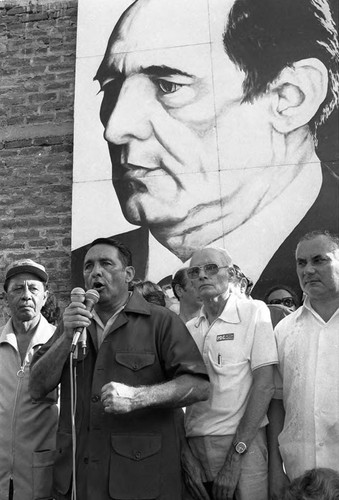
[{"x": 25, "y": 266}]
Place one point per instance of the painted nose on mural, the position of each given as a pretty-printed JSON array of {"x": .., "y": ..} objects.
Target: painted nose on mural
[{"x": 130, "y": 118}]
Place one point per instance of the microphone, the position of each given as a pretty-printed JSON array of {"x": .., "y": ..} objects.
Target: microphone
[
  {"x": 77, "y": 295},
  {"x": 90, "y": 298}
]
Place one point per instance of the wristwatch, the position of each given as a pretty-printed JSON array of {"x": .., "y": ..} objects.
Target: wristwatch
[{"x": 240, "y": 447}]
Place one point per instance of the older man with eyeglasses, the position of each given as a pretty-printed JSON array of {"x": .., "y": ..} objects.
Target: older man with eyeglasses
[{"x": 226, "y": 455}]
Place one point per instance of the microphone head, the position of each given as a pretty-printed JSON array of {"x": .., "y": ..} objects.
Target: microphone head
[
  {"x": 92, "y": 297},
  {"x": 78, "y": 295}
]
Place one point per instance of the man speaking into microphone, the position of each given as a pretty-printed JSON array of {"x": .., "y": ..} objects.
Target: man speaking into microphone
[{"x": 140, "y": 366}]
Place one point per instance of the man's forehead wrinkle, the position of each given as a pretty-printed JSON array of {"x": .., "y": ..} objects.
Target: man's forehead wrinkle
[
  {"x": 158, "y": 63},
  {"x": 211, "y": 255},
  {"x": 158, "y": 26}
]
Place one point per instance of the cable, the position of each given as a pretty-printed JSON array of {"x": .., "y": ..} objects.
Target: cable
[{"x": 73, "y": 383}]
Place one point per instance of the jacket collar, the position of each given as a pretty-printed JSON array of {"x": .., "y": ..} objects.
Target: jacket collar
[
  {"x": 138, "y": 304},
  {"x": 135, "y": 304},
  {"x": 41, "y": 336}
]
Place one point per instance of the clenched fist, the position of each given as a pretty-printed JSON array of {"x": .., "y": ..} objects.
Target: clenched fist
[{"x": 119, "y": 398}]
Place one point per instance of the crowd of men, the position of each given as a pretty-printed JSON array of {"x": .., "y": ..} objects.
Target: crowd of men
[{"x": 260, "y": 406}]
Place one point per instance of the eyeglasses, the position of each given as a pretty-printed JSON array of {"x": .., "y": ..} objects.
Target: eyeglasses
[
  {"x": 287, "y": 301},
  {"x": 209, "y": 270}
]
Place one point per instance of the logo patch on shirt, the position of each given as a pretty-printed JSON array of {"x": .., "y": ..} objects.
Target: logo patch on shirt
[{"x": 225, "y": 336}]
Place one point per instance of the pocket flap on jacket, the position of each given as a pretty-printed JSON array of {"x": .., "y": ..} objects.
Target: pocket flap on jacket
[
  {"x": 43, "y": 458},
  {"x": 135, "y": 360},
  {"x": 136, "y": 447}
]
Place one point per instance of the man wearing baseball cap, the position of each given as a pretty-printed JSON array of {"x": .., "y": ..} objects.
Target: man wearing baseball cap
[{"x": 27, "y": 429}]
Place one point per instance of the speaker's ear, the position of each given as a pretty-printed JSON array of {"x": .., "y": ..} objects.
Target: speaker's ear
[
  {"x": 297, "y": 94},
  {"x": 129, "y": 274}
]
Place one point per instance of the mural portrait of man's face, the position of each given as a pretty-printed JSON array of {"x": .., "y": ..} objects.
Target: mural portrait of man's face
[
  {"x": 174, "y": 120},
  {"x": 210, "y": 109}
]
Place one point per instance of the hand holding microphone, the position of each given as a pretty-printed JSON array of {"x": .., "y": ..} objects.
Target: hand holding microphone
[{"x": 90, "y": 298}]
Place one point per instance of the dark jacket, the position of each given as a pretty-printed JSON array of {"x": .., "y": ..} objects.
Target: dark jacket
[{"x": 134, "y": 455}]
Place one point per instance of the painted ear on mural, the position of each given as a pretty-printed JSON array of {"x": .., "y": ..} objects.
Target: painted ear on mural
[{"x": 297, "y": 94}]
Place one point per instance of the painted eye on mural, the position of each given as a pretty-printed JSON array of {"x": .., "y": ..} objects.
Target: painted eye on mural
[{"x": 168, "y": 87}]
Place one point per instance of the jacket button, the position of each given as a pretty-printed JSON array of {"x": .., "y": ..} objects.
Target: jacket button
[
  {"x": 138, "y": 455},
  {"x": 86, "y": 460},
  {"x": 95, "y": 399}
]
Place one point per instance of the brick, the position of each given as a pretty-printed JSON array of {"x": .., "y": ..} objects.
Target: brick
[
  {"x": 30, "y": 233},
  {"x": 24, "y": 143},
  {"x": 15, "y": 245},
  {"x": 43, "y": 97},
  {"x": 43, "y": 141},
  {"x": 15, "y": 10},
  {"x": 41, "y": 242},
  {"x": 20, "y": 255},
  {"x": 36, "y": 17},
  {"x": 56, "y": 253},
  {"x": 40, "y": 119}
]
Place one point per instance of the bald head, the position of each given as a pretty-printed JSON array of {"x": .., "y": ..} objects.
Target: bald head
[{"x": 215, "y": 255}]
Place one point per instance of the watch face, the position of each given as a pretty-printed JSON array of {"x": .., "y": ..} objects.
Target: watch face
[{"x": 240, "y": 448}]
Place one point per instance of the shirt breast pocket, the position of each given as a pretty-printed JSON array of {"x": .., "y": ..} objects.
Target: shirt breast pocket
[
  {"x": 135, "y": 360},
  {"x": 136, "y": 365},
  {"x": 228, "y": 350}
]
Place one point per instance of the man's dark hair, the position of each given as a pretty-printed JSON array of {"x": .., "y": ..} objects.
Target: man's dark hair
[
  {"x": 51, "y": 310},
  {"x": 333, "y": 238},
  {"x": 236, "y": 275},
  {"x": 280, "y": 286},
  {"x": 180, "y": 278},
  {"x": 262, "y": 37},
  {"x": 124, "y": 252},
  {"x": 315, "y": 484},
  {"x": 151, "y": 292}
]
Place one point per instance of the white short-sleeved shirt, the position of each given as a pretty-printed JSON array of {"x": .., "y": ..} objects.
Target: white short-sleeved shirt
[
  {"x": 308, "y": 350},
  {"x": 239, "y": 341}
]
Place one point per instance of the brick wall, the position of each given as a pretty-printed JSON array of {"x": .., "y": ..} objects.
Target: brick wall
[{"x": 37, "y": 58}]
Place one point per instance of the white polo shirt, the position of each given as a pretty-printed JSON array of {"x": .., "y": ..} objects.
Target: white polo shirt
[
  {"x": 239, "y": 341},
  {"x": 308, "y": 350}
]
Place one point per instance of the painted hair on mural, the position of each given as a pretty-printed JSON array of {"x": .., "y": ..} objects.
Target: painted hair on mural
[{"x": 264, "y": 36}]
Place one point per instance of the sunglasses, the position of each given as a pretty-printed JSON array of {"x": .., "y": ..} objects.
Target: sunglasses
[
  {"x": 209, "y": 270},
  {"x": 287, "y": 301}
]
